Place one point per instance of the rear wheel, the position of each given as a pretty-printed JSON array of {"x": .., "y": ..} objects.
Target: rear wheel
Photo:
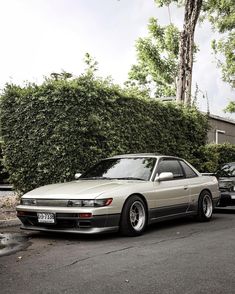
[
  {"x": 205, "y": 207},
  {"x": 134, "y": 217}
]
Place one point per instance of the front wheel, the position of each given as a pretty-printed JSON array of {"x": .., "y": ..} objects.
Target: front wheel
[
  {"x": 205, "y": 207},
  {"x": 134, "y": 217}
]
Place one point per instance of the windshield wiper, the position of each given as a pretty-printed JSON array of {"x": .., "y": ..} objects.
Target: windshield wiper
[
  {"x": 106, "y": 178},
  {"x": 96, "y": 178},
  {"x": 130, "y": 178}
]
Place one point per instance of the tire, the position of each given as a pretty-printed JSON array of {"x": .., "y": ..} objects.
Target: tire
[
  {"x": 134, "y": 217},
  {"x": 205, "y": 207}
]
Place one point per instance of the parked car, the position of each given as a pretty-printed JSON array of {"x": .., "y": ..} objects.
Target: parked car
[
  {"x": 124, "y": 193},
  {"x": 226, "y": 178}
]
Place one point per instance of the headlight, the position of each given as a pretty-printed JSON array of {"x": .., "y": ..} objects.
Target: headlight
[
  {"x": 75, "y": 203},
  {"x": 231, "y": 189},
  {"x": 90, "y": 203},
  {"x": 28, "y": 201}
]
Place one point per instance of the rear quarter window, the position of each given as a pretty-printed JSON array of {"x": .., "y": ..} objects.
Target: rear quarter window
[{"x": 189, "y": 172}]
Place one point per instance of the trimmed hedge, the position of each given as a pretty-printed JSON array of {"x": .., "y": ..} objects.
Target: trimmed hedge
[
  {"x": 211, "y": 156},
  {"x": 55, "y": 129},
  {"x": 3, "y": 174}
]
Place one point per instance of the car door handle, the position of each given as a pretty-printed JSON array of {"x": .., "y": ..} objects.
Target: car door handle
[{"x": 185, "y": 187}]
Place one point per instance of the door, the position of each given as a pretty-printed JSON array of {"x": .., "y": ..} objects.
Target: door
[{"x": 171, "y": 196}]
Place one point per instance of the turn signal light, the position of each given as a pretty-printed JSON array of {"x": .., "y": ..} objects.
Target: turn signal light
[
  {"x": 85, "y": 215},
  {"x": 21, "y": 213},
  {"x": 108, "y": 201}
]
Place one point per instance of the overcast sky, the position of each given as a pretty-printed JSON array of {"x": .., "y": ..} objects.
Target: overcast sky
[{"x": 43, "y": 36}]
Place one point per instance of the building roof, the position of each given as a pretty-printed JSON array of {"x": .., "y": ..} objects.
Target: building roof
[{"x": 216, "y": 117}]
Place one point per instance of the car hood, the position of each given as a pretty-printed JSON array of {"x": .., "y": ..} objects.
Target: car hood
[
  {"x": 81, "y": 189},
  {"x": 226, "y": 182}
]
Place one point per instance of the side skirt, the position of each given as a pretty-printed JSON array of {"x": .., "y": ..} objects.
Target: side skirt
[{"x": 171, "y": 216}]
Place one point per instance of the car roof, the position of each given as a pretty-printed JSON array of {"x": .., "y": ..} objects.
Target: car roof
[{"x": 156, "y": 155}]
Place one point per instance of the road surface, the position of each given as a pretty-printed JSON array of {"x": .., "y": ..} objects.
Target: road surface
[{"x": 181, "y": 256}]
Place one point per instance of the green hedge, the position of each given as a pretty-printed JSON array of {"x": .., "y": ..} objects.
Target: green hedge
[
  {"x": 211, "y": 156},
  {"x": 60, "y": 127},
  {"x": 3, "y": 173}
]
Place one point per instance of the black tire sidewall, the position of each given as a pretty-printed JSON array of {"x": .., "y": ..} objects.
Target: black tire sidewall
[
  {"x": 125, "y": 223},
  {"x": 201, "y": 214}
]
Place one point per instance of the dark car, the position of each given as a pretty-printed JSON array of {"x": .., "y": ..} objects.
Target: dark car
[{"x": 226, "y": 177}]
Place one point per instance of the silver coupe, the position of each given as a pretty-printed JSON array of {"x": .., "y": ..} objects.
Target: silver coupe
[{"x": 123, "y": 193}]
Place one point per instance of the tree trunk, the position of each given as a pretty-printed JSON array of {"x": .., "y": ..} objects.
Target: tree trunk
[{"x": 186, "y": 45}]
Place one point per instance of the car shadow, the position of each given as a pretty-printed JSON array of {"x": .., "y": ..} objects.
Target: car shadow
[
  {"x": 73, "y": 237},
  {"x": 159, "y": 226},
  {"x": 224, "y": 210},
  {"x": 171, "y": 224}
]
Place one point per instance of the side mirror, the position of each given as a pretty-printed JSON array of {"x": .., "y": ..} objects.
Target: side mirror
[
  {"x": 165, "y": 177},
  {"x": 77, "y": 176}
]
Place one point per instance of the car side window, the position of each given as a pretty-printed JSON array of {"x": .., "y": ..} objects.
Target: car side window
[
  {"x": 189, "y": 172},
  {"x": 172, "y": 166}
]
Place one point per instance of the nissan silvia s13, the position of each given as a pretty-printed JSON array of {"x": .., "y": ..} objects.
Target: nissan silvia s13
[{"x": 123, "y": 193}]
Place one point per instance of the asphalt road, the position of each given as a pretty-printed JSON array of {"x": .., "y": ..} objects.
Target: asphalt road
[{"x": 180, "y": 256}]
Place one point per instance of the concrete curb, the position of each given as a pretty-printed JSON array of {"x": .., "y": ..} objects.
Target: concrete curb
[{"x": 9, "y": 223}]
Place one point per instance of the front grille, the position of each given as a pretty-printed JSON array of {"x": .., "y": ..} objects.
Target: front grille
[
  {"x": 52, "y": 202},
  {"x": 224, "y": 189},
  {"x": 63, "y": 221},
  {"x": 66, "y": 215}
]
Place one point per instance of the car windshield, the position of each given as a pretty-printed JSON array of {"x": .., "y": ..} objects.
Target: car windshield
[
  {"x": 139, "y": 168},
  {"x": 227, "y": 170}
]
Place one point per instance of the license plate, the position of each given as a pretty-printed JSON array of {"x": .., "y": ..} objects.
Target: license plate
[{"x": 45, "y": 217}]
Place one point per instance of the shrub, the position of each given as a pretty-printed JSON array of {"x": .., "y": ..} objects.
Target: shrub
[
  {"x": 211, "y": 156},
  {"x": 3, "y": 173},
  {"x": 63, "y": 126}
]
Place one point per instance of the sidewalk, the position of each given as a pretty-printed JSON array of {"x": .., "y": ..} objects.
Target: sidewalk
[
  {"x": 9, "y": 223},
  {"x": 7, "y": 210}
]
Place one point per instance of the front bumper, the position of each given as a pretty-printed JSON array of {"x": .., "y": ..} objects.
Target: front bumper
[
  {"x": 216, "y": 200},
  {"x": 87, "y": 231},
  {"x": 71, "y": 223},
  {"x": 227, "y": 199}
]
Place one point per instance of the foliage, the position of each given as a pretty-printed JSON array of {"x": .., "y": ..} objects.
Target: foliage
[
  {"x": 211, "y": 156},
  {"x": 221, "y": 14},
  {"x": 3, "y": 174},
  {"x": 63, "y": 126},
  {"x": 226, "y": 47},
  {"x": 161, "y": 3},
  {"x": 61, "y": 76},
  {"x": 231, "y": 107},
  {"x": 92, "y": 65},
  {"x": 156, "y": 69},
  {"x": 165, "y": 57}
]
